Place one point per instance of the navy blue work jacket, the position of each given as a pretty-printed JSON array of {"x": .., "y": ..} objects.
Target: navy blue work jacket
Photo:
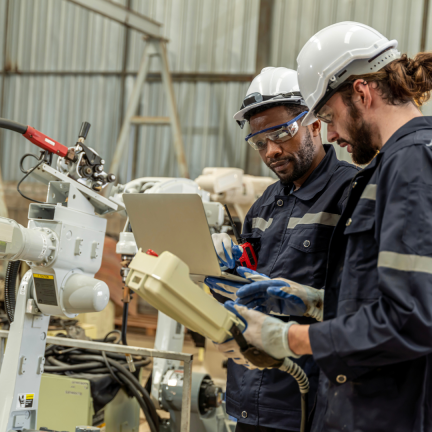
[
  {"x": 375, "y": 344},
  {"x": 291, "y": 235}
]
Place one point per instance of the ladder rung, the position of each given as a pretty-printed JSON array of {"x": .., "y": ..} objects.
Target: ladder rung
[{"x": 151, "y": 120}]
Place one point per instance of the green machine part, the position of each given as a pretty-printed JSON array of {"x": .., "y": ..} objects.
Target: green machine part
[{"x": 66, "y": 402}]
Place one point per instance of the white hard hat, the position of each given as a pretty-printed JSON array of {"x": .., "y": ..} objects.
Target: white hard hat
[
  {"x": 272, "y": 85},
  {"x": 333, "y": 55}
]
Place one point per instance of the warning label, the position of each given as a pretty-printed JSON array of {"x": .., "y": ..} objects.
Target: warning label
[
  {"x": 45, "y": 289},
  {"x": 25, "y": 400}
]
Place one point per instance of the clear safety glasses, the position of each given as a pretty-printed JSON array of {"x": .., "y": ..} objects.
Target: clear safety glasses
[
  {"x": 278, "y": 134},
  {"x": 325, "y": 114}
]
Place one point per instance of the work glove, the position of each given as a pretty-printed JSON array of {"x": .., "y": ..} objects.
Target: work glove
[
  {"x": 228, "y": 252},
  {"x": 282, "y": 297},
  {"x": 231, "y": 350},
  {"x": 229, "y": 288},
  {"x": 264, "y": 332}
]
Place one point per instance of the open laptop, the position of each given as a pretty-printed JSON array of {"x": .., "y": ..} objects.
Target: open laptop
[{"x": 176, "y": 223}]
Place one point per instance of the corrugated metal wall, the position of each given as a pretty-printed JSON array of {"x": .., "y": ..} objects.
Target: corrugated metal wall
[
  {"x": 294, "y": 22},
  {"x": 55, "y": 37},
  {"x": 43, "y": 41}
]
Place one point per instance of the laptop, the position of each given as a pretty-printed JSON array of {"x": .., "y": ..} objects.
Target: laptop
[{"x": 176, "y": 223}]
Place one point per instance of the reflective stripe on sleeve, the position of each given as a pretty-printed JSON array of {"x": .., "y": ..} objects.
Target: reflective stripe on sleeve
[
  {"x": 369, "y": 192},
  {"x": 261, "y": 223},
  {"x": 322, "y": 218},
  {"x": 403, "y": 262}
]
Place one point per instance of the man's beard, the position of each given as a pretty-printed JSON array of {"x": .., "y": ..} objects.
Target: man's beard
[
  {"x": 361, "y": 137},
  {"x": 301, "y": 162}
]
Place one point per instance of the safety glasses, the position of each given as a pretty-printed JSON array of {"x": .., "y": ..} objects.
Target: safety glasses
[
  {"x": 325, "y": 114},
  {"x": 278, "y": 134}
]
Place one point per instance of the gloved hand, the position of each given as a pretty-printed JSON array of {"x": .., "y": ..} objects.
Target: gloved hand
[
  {"x": 266, "y": 333},
  {"x": 227, "y": 252},
  {"x": 229, "y": 288},
  {"x": 231, "y": 350},
  {"x": 282, "y": 296}
]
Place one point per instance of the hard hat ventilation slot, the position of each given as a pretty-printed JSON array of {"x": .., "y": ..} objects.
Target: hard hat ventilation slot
[{"x": 343, "y": 73}]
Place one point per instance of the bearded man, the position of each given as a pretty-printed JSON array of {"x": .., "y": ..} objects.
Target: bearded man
[{"x": 290, "y": 227}]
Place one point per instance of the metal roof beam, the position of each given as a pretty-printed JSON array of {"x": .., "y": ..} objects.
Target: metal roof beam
[{"x": 123, "y": 16}]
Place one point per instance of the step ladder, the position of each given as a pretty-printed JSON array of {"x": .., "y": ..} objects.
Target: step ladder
[{"x": 153, "y": 47}]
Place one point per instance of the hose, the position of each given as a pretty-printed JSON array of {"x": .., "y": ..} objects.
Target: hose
[
  {"x": 129, "y": 376},
  {"x": 144, "y": 407},
  {"x": 9, "y": 289},
  {"x": 300, "y": 376},
  {"x": 95, "y": 362},
  {"x": 13, "y": 126}
]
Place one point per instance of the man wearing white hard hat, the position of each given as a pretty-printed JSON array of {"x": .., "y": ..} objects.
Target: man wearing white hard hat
[
  {"x": 374, "y": 347},
  {"x": 290, "y": 227}
]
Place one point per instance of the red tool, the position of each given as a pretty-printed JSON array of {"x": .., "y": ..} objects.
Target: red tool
[
  {"x": 248, "y": 259},
  {"x": 45, "y": 142}
]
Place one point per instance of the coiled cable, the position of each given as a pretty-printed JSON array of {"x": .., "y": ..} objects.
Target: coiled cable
[
  {"x": 9, "y": 290},
  {"x": 300, "y": 376}
]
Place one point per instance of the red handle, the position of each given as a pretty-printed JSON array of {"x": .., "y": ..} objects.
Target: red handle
[
  {"x": 45, "y": 142},
  {"x": 248, "y": 259}
]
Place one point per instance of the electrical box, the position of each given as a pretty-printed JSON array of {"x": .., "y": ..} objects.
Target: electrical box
[{"x": 64, "y": 403}]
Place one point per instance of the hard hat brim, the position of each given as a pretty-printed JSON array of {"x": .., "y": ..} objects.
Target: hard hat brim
[{"x": 239, "y": 115}]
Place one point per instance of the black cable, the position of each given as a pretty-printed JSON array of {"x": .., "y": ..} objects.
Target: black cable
[
  {"x": 28, "y": 172},
  {"x": 13, "y": 126},
  {"x": 105, "y": 339},
  {"x": 143, "y": 405},
  {"x": 24, "y": 171},
  {"x": 110, "y": 368},
  {"x": 94, "y": 362},
  {"x": 124, "y": 323},
  {"x": 130, "y": 376},
  {"x": 304, "y": 412},
  {"x": 9, "y": 289}
]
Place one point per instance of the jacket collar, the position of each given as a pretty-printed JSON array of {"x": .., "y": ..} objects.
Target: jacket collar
[
  {"x": 320, "y": 176},
  {"x": 315, "y": 183},
  {"x": 414, "y": 125}
]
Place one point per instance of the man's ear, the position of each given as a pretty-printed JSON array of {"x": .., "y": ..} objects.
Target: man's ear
[
  {"x": 362, "y": 93},
  {"x": 315, "y": 128}
]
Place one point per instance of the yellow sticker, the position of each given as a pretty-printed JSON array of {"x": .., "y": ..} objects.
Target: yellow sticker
[
  {"x": 29, "y": 396},
  {"x": 41, "y": 276}
]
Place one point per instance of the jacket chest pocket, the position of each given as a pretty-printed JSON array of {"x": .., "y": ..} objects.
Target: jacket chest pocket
[
  {"x": 310, "y": 240},
  {"x": 307, "y": 255},
  {"x": 360, "y": 274}
]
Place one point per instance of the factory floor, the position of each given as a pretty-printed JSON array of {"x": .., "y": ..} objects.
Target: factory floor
[{"x": 210, "y": 362}]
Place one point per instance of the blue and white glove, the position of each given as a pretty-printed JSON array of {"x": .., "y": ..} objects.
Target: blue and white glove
[
  {"x": 266, "y": 333},
  {"x": 228, "y": 252},
  {"x": 229, "y": 288},
  {"x": 283, "y": 297}
]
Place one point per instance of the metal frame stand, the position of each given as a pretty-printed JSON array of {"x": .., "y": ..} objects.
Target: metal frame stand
[{"x": 187, "y": 360}]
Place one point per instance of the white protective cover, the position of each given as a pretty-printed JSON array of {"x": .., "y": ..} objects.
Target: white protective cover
[
  {"x": 271, "y": 81},
  {"x": 164, "y": 282},
  {"x": 332, "y": 49}
]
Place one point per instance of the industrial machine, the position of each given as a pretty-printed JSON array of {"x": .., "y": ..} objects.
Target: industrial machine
[
  {"x": 215, "y": 186},
  {"x": 231, "y": 186},
  {"x": 208, "y": 414},
  {"x": 63, "y": 246}
]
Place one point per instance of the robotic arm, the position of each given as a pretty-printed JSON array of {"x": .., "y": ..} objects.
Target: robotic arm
[{"x": 63, "y": 246}]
